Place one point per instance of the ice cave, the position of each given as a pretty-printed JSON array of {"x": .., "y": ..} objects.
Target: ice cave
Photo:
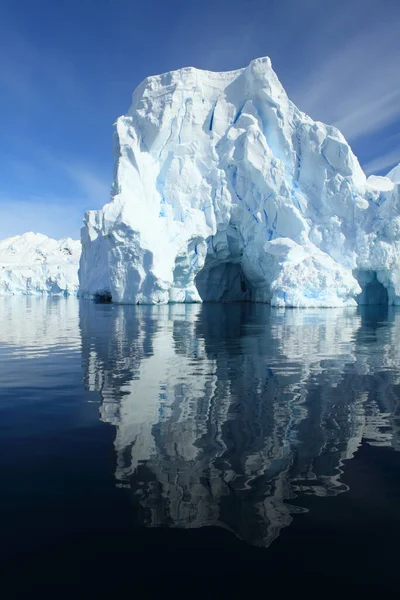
[
  {"x": 373, "y": 291},
  {"x": 223, "y": 282}
]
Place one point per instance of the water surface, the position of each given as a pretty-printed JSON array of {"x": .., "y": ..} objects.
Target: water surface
[{"x": 213, "y": 443}]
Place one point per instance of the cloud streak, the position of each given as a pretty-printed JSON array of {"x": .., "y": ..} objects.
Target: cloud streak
[
  {"x": 60, "y": 213},
  {"x": 52, "y": 216},
  {"x": 93, "y": 186},
  {"x": 357, "y": 88},
  {"x": 383, "y": 163}
]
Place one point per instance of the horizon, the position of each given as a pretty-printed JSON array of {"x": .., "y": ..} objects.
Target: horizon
[{"x": 66, "y": 79}]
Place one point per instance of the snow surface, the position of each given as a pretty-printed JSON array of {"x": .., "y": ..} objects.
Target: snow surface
[
  {"x": 383, "y": 184},
  {"x": 34, "y": 264},
  {"x": 224, "y": 190}
]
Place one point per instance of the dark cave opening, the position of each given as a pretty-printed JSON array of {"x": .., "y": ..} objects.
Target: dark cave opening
[
  {"x": 373, "y": 291},
  {"x": 224, "y": 282},
  {"x": 102, "y": 298}
]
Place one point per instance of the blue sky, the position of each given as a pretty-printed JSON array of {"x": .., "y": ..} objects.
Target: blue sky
[{"x": 68, "y": 69}]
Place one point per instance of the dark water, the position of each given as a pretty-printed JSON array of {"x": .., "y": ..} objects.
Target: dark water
[{"x": 211, "y": 450}]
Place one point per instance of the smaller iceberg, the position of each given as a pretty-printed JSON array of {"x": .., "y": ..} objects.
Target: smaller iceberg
[{"x": 33, "y": 264}]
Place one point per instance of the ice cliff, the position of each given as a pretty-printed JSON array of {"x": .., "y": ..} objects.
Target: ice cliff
[
  {"x": 34, "y": 264},
  {"x": 224, "y": 190}
]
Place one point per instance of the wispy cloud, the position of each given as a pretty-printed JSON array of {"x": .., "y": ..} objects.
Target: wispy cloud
[
  {"x": 76, "y": 187},
  {"x": 94, "y": 187},
  {"x": 52, "y": 216},
  {"x": 88, "y": 182},
  {"x": 383, "y": 163},
  {"x": 357, "y": 88}
]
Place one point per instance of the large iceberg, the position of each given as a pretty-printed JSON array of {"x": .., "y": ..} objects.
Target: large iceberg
[
  {"x": 34, "y": 264},
  {"x": 224, "y": 190}
]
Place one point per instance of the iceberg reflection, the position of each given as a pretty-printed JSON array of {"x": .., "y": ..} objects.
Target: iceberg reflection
[{"x": 225, "y": 412}]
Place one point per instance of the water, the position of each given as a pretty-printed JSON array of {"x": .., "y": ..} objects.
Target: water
[{"x": 220, "y": 447}]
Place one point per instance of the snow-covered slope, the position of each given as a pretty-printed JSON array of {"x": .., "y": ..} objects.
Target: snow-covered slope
[
  {"x": 224, "y": 190},
  {"x": 34, "y": 264}
]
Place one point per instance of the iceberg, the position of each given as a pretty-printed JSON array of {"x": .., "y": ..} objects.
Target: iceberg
[
  {"x": 33, "y": 264},
  {"x": 224, "y": 191}
]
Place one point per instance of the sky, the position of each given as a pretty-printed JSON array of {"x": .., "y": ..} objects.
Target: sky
[{"x": 68, "y": 70}]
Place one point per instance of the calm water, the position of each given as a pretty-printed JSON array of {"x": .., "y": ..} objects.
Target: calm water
[{"x": 220, "y": 447}]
